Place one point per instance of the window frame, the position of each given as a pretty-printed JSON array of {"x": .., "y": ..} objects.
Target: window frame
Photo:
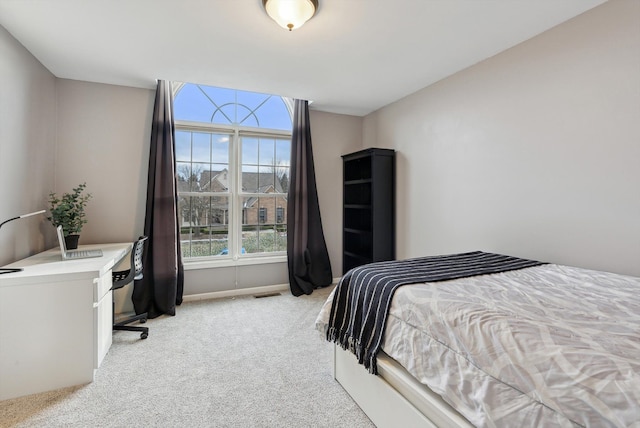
[{"x": 235, "y": 193}]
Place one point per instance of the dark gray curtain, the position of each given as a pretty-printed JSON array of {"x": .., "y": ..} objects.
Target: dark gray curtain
[
  {"x": 307, "y": 255},
  {"x": 161, "y": 288}
]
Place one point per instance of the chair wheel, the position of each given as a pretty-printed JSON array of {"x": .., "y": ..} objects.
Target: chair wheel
[
  {"x": 144, "y": 335},
  {"x": 143, "y": 320}
]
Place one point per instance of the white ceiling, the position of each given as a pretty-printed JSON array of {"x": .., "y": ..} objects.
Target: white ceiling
[{"x": 353, "y": 57}]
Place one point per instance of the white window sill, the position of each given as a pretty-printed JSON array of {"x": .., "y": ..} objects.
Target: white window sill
[{"x": 229, "y": 262}]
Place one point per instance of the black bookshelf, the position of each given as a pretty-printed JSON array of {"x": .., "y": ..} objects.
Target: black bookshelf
[{"x": 368, "y": 217}]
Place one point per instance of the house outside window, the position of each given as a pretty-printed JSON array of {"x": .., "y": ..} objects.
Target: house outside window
[{"x": 233, "y": 150}]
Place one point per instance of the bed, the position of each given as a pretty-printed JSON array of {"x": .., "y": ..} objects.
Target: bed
[{"x": 533, "y": 344}]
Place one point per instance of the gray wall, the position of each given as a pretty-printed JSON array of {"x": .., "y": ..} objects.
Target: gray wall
[
  {"x": 333, "y": 135},
  {"x": 534, "y": 152},
  {"x": 27, "y": 149},
  {"x": 103, "y": 140}
]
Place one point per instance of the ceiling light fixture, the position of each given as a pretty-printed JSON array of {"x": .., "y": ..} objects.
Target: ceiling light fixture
[{"x": 290, "y": 14}]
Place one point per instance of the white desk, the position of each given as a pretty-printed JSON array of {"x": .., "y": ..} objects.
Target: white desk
[{"x": 55, "y": 320}]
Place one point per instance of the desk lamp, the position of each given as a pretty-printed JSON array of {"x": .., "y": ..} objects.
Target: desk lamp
[{"x": 5, "y": 270}]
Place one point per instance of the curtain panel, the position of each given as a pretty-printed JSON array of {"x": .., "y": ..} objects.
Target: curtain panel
[
  {"x": 161, "y": 288},
  {"x": 307, "y": 255}
]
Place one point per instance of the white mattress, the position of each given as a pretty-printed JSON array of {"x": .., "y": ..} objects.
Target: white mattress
[{"x": 544, "y": 346}]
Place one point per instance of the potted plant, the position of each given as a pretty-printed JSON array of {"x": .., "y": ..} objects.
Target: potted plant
[{"x": 68, "y": 212}]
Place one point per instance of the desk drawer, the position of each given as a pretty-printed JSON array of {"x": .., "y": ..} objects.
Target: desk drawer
[
  {"x": 103, "y": 325},
  {"x": 102, "y": 286}
]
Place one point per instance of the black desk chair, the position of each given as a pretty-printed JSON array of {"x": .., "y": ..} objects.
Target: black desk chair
[{"x": 124, "y": 277}]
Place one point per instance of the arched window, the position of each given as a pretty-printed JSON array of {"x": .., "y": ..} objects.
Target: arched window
[{"x": 233, "y": 150}]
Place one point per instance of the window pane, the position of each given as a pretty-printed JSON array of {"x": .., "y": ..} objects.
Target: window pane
[
  {"x": 183, "y": 146},
  {"x": 249, "y": 153},
  {"x": 219, "y": 178},
  {"x": 204, "y": 225},
  {"x": 224, "y": 114},
  {"x": 248, "y": 104},
  {"x": 223, "y": 101},
  {"x": 282, "y": 179},
  {"x": 261, "y": 232},
  {"x": 191, "y": 104},
  {"x": 200, "y": 176},
  {"x": 282, "y": 164},
  {"x": 183, "y": 170},
  {"x": 247, "y": 117},
  {"x": 266, "y": 180},
  {"x": 205, "y": 157},
  {"x": 200, "y": 103},
  {"x": 201, "y": 147},
  {"x": 271, "y": 173},
  {"x": 283, "y": 152},
  {"x": 220, "y": 152},
  {"x": 274, "y": 114},
  {"x": 267, "y": 151},
  {"x": 220, "y": 96},
  {"x": 251, "y": 100}
]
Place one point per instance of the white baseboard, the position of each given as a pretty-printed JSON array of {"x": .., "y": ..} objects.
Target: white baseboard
[
  {"x": 236, "y": 292},
  {"x": 241, "y": 292}
]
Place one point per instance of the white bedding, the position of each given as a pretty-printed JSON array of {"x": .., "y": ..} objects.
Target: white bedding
[{"x": 544, "y": 346}]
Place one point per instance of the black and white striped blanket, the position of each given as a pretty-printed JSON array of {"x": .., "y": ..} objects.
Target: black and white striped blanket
[{"x": 363, "y": 295}]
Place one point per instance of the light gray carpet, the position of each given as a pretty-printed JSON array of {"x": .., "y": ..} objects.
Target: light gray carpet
[{"x": 236, "y": 362}]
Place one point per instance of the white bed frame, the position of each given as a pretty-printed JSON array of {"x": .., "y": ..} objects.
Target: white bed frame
[{"x": 394, "y": 398}]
